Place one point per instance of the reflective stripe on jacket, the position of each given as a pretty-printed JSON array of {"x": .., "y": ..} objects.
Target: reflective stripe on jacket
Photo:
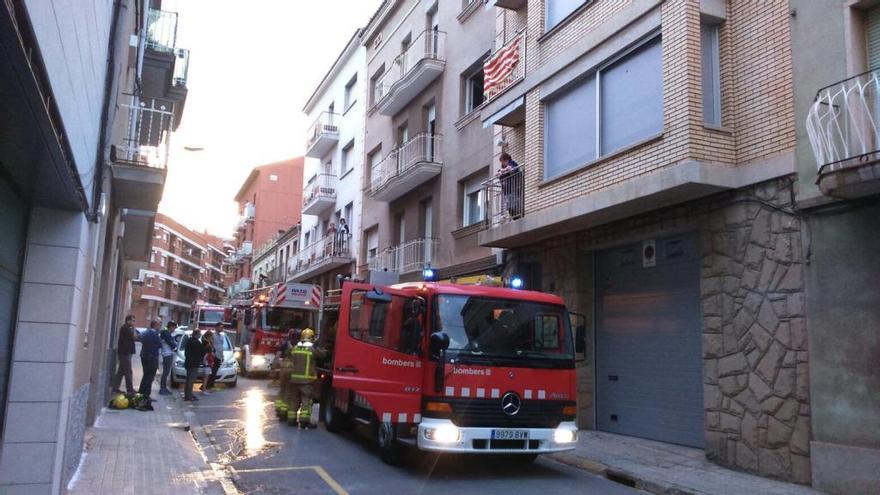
[{"x": 303, "y": 363}]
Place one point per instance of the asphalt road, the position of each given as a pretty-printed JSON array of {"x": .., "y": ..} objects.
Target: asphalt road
[{"x": 270, "y": 457}]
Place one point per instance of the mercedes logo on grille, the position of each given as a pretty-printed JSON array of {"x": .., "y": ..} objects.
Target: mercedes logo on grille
[{"x": 510, "y": 403}]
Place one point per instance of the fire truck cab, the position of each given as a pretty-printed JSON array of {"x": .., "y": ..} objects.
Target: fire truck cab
[
  {"x": 452, "y": 368},
  {"x": 273, "y": 313}
]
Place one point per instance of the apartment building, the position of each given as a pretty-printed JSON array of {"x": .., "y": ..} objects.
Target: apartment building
[
  {"x": 836, "y": 58},
  {"x": 185, "y": 266},
  {"x": 272, "y": 259},
  {"x": 427, "y": 151},
  {"x": 269, "y": 201},
  {"x": 657, "y": 146},
  {"x": 88, "y": 111},
  {"x": 333, "y": 173}
]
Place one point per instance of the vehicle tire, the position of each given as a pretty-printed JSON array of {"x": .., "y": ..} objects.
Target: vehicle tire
[
  {"x": 334, "y": 419},
  {"x": 390, "y": 450},
  {"x": 233, "y": 383}
]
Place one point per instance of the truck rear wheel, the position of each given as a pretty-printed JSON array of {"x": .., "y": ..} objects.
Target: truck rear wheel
[
  {"x": 334, "y": 419},
  {"x": 391, "y": 451}
]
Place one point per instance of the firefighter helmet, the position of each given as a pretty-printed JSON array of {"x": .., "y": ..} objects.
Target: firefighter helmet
[{"x": 307, "y": 335}]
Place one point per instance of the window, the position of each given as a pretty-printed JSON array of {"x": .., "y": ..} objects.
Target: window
[
  {"x": 347, "y": 152},
  {"x": 376, "y": 85},
  {"x": 350, "y": 96},
  {"x": 393, "y": 325},
  {"x": 161, "y": 284},
  {"x": 711, "y": 74},
  {"x": 472, "y": 200},
  {"x": 152, "y": 257},
  {"x": 149, "y": 280},
  {"x": 872, "y": 38},
  {"x": 581, "y": 126},
  {"x": 473, "y": 88},
  {"x": 163, "y": 260},
  {"x": 557, "y": 10},
  {"x": 372, "y": 243},
  {"x": 349, "y": 208}
]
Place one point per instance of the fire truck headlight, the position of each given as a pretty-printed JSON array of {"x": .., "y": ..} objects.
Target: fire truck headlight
[
  {"x": 443, "y": 434},
  {"x": 258, "y": 361},
  {"x": 564, "y": 436}
]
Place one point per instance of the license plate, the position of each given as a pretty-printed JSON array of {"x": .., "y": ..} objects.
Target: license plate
[{"x": 510, "y": 434}]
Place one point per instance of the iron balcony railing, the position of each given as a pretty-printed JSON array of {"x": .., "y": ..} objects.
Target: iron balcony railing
[
  {"x": 504, "y": 196},
  {"x": 162, "y": 30},
  {"x": 505, "y": 66},
  {"x": 322, "y": 186},
  {"x": 844, "y": 122},
  {"x": 410, "y": 256},
  {"x": 181, "y": 67},
  {"x": 336, "y": 245},
  {"x": 147, "y": 137},
  {"x": 429, "y": 45},
  {"x": 326, "y": 123},
  {"x": 424, "y": 148}
]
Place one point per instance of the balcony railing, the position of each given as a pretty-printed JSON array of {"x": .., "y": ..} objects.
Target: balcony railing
[
  {"x": 406, "y": 167},
  {"x": 505, "y": 199},
  {"x": 410, "y": 256},
  {"x": 319, "y": 194},
  {"x": 505, "y": 67},
  {"x": 147, "y": 138},
  {"x": 323, "y": 135},
  {"x": 329, "y": 252},
  {"x": 844, "y": 130},
  {"x": 419, "y": 64},
  {"x": 181, "y": 67},
  {"x": 162, "y": 30}
]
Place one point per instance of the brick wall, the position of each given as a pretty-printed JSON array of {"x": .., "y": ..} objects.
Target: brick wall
[{"x": 757, "y": 101}]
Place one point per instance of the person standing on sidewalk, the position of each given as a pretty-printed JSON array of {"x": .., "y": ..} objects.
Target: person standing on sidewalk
[
  {"x": 219, "y": 344},
  {"x": 151, "y": 344},
  {"x": 210, "y": 358},
  {"x": 168, "y": 346},
  {"x": 124, "y": 351},
  {"x": 194, "y": 353}
]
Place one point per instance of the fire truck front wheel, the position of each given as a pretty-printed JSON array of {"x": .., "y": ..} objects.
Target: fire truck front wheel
[
  {"x": 334, "y": 419},
  {"x": 391, "y": 451}
]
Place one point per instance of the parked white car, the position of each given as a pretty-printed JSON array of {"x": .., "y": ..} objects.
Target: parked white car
[{"x": 227, "y": 374}]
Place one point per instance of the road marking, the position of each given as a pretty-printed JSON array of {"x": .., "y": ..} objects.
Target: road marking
[{"x": 336, "y": 487}]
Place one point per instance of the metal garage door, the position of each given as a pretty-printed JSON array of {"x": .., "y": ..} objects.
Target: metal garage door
[{"x": 648, "y": 343}]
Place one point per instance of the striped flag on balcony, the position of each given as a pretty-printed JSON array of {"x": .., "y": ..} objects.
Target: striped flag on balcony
[{"x": 498, "y": 68}]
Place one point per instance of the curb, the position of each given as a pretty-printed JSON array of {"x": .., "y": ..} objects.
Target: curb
[{"x": 623, "y": 477}]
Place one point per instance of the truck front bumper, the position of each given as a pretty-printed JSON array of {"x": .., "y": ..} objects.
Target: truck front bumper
[{"x": 441, "y": 435}]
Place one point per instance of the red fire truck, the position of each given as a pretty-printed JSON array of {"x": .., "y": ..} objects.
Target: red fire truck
[
  {"x": 273, "y": 312},
  {"x": 452, "y": 368},
  {"x": 208, "y": 316}
]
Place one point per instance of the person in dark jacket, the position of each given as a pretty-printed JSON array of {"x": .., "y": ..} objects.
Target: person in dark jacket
[
  {"x": 151, "y": 344},
  {"x": 124, "y": 351},
  {"x": 194, "y": 353},
  {"x": 510, "y": 176},
  {"x": 168, "y": 348}
]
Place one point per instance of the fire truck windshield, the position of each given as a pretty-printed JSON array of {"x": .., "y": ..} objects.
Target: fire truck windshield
[
  {"x": 281, "y": 318},
  {"x": 210, "y": 316},
  {"x": 504, "y": 328}
]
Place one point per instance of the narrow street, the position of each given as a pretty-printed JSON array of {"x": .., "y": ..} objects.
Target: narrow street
[{"x": 269, "y": 457}]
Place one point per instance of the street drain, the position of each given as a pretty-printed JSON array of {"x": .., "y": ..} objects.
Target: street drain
[{"x": 621, "y": 478}]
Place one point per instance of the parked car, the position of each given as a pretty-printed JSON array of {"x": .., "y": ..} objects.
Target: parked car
[{"x": 227, "y": 374}]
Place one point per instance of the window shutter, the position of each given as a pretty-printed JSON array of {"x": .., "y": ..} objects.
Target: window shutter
[{"x": 873, "y": 37}]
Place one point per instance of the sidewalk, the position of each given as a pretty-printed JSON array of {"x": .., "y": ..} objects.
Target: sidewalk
[
  {"x": 129, "y": 452},
  {"x": 663, "y": 468}
]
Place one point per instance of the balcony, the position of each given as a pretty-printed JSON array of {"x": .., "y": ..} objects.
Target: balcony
[
  {"x": 139, "y": 158},
  {"x": 412, "y": 164},
  {"x": 250, "y": 211},
  {"x": 502, "y": 70},
  {"x": 411, "y": 256},
  {"x": 161, "y": 32},
  {"x": 504, "y": 198},
  {"x": 165, "y": 67},
  {"x": 844, "y": 130},
  {"x": 325, "y": 254},
  {"x": 319, "y": 194},
  {"x": 510, "y": 4},
  {"x": 323, "y": 135},
  {"x": 411, "y": 72},
  {"x": 246, "y": 249}
]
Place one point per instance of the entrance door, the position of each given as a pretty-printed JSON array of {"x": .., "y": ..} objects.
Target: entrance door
[
  {"x": 378, "y": 350},
  {"x": 648, "y": 342}
]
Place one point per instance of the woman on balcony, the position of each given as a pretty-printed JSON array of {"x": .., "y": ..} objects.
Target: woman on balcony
[{"x": 341, "y": 237}]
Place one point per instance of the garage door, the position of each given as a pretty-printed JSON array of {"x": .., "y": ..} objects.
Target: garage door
[{"x": 648, "y": 343}]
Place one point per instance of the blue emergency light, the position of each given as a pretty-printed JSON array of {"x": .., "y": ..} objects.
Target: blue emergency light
[
  {"x": 429, "y": 275},
  {"x": 516, "y": 283}
]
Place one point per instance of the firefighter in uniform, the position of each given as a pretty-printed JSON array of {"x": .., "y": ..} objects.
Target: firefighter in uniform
[
  {"x": 281, "y": 407},
  {"x": 300, "y": 387}
]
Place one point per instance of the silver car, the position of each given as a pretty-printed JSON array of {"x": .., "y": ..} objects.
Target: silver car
[{"x": 227, "y": 374}]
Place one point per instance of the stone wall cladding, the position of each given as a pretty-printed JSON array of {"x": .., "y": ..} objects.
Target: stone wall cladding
[
  {"x": 756, "y": 382},
  {"x": 757, "y": 99},
  {"x": 76, "y": 429}
]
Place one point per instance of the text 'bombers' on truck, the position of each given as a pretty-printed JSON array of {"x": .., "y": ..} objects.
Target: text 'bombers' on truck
[{"x": 452, "y": 368}]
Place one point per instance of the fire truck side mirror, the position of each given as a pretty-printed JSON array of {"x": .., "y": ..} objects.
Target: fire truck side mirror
[
  {"x": 439, "y": 343},
  {"x": 580, "y": 339}
]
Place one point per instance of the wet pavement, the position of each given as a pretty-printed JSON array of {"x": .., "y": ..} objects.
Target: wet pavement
[{"x": 267, "y": 456}]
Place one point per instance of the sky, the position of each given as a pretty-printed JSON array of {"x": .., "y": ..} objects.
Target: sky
[{"x": 252, "y": 67}]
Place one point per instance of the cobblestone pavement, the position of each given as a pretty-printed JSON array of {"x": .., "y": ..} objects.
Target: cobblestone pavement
[{"x": 129, "y": 452}]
